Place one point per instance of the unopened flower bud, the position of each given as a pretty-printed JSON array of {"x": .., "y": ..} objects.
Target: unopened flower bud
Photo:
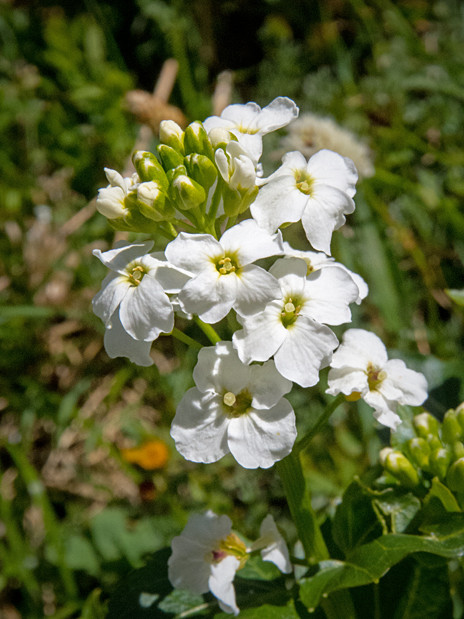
[
  {"x": 455, "y": 476},
  {"x": 439, "y": 462},
  {"x": 434, "y": 442},
  {"x": 220, "y": 137},
  {"x": 419, "y": 452},
  {"x": 425, "y": 424},
  {"x": 170, "y": 158},
  {"x": 149, "y": 168},
  {"x": 459, "y": 412},
  {"x": 450, "y": 428},
  {"x": 186, "y": 193},
  {"x": 202, "y": 170},
  {"x": 399, "y": 466},
  {"x": 152, "y": 202},
  {"x": 172, "y": 135},
  {"x": 196, "y": 141}
]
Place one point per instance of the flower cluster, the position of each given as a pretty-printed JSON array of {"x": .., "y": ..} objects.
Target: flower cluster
[
  {"x": 207, "y": 554},
  {"x": 192, "y": 194}
]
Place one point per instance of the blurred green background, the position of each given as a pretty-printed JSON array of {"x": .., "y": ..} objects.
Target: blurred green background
[{"x": 75, "y": 512}]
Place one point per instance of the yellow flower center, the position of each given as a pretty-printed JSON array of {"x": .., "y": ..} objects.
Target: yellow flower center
[
  {"x": 304, "y": 182},
  {"x": 136, "y": 274},
  {"x": 374, "y": 376},
  {"x": 290, "y": 312},
  {"x": 236, "y": 405},
  {"x": 226, "y": 265}
]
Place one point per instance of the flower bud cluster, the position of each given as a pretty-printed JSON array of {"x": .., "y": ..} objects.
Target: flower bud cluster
[{"x": 437, "y": 450}]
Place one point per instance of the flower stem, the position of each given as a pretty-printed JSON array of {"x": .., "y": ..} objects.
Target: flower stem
[
  {"x": 304, "y": 442},
  {"x": 207, "y": 330},
  {"x": 180, "y": 335}
]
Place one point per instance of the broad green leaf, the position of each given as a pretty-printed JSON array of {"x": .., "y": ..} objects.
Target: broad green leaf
[
  {"x": 427, "y": 595},
  {"x": 399, "y": 506},
  {"x": 258, "y": 569},
  {"x": 265, "y": 612},
  {"x": 441, "y": 492},
  {"x": 370, "y": 562},
  {"x": 80, "y": 555},
  {"x": 355, "y": 520},
  {"x": 178, "y": 601}
]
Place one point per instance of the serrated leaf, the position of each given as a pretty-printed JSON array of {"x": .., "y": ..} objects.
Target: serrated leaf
[
  {"x": 355, "y": 520},
  {"x": 370, "y": 562}
]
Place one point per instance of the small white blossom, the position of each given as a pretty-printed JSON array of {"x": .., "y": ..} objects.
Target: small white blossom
[
  {"x": 110, "y": 200},
  {"x": 234, "y": 408},
  {"x": 318, "y": 260},
  {"x": 133, "y": 299},
  {"x": 236, "y": 167},
  {"x": 249, "y": 122},
  {"x": 319, "y": 192},
  {"x": 272, "y": 545},
  {"x": 290, "y": 328},
  {"x": 223, "y": 274},
  {"x": 361, "y": 369},
  {"x": 205, "y": 558}
]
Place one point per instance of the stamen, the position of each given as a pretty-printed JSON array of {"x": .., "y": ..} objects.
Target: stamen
[{"x": 229, "y": 399}]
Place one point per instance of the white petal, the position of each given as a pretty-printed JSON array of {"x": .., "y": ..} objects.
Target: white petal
[
  {"x": 255, "y": 289},
  {"x": 223, "y": 164},
  {"x": 261, "y": 335},
  {"x": 329, "y": 168},
  {"x": 250, "y": 242},
  {"x": 324, "y": 213},
  {"x": 210, "y": 295},
  {"x": 277, "y": 551},
  {"x": 171, "y": 278},
  {"x": 267, "y": 385},
  {"x": 220, "y": 370},
  {"x": 199, "y": 427},
  {"x": 384, "y": 409},
  {"x": 328, "y": 294},
  {"x": 113, "y": 290},
  {"x": 291, "y": 273},
  {"x": 110, "y": 202},
  {"x": 118, "y": 343},
  {"x": 146, "y": 311},
  {"x": 193, "y": 252},
  {"x": 277, "y": 114},
  {"x": 278, "y": 202},
  {"x": 221, "y": 583},
  {"x": 306, "y": 350},
  {"x": 413, "y": 385},
  {"x": 259, "y": 438},
  {"x": 358, "y": 348},
  {"x": 118, "y": 258},
  {"x": 207, "y": 529},
  {"x": 346, "y": 381}
]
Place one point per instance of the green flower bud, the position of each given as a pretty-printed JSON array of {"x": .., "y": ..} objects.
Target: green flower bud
[
  {"x": 439, "y": 462},
  {"x": 458, "y": 450},
  {"x": 220, "y": 137},
  {"x": 152, "y": 203},
  {"x": 455, "y": 476},
  {"x": 419, "y": 452},
  {"x": 459, "y": 412},
  {"x": 172, "y": 135},
  {"x": 186, "y": 193},
  {"x": 134, "y": 221},
  {"x": 170, "y": 158},
  {"x": 149, "y": 168},
  {"x": 202, "y": 170},
  {"x": 425, "y": 424},
  {"x": 450, "y": 428},
  {"x": 399, "y": 466},
  {"x": 434, "y": 442},
  {"x": 196, "y": 141}
]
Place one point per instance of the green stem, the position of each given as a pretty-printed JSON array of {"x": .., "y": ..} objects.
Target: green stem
[
  {"x": 207, "y": 330},
  {"x": 40, "y": 498},
  {"x": 184, "y": 224},
  {"x": 304, "y": 442},
  {"x": 231, "y": 222},
  {"x": 211, "y": 217},
  {"x": 180, "y": 335}
]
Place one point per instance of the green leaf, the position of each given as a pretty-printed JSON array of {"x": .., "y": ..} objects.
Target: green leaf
[
  {"x": 370, "y": 562},
  {"x": 258, "y": 569},
  {"x": 456, "y": 295},
  {"x": 441, "y": 492},
  {"x": 399, "y": 505},
  {"x": 179, "y": 601},
  {"x": 80, "y": 555},
  {"x": 355, "y": 520},
  {"x": 93, "y": 608},
  {"x": 265, "y": 612}
]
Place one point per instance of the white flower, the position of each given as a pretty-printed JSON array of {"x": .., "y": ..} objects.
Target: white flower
[
  {"x": 237, "y": 408},
  {"x": 319, "y": 192},
  {"x": 249, "y": 122},
  {"x": 361, "y": 369},
  {"x": 236, "y": 167},
  {"x": 205, "y": 558},
  {"x": 288, "y": 329},
  {"x": 110, "y": 200},
  {"x": 223, "y": 274},
  {"x": 133, "y": 298},
  {"x": 311, "y": 133},
  {"x": 319, "y": 260},
  {"x": 272, "y": 545}
]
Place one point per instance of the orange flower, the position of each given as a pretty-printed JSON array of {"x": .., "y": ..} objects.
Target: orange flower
[{"x": 150, "y": 455}]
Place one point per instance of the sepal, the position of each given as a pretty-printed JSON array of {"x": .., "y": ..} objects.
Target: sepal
[
  {"x": 149, "y": 168},
  {"x": 196, "y": 141},
  {"x": 170, "y": 158}
]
